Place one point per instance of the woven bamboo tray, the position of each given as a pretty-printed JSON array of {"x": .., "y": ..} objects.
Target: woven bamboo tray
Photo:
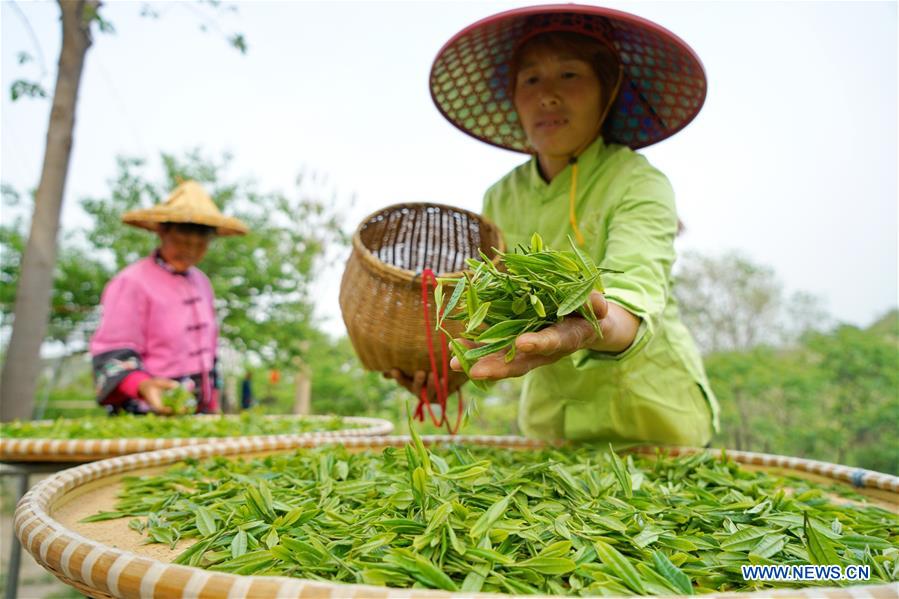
[
  {"x": 106, "y": 559},
  {"x": 86, "y": 450}
]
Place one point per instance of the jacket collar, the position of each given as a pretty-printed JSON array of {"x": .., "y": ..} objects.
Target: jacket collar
[
  {"x": 160, "y": 262},
  {"x": 587, "y": 162}
]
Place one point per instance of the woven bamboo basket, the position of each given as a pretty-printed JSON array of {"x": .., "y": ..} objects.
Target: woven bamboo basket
[
  {"x": 107, "y": 559},
  {"x": 380, "y": 293},
  {"x": 86, "y": 450}
]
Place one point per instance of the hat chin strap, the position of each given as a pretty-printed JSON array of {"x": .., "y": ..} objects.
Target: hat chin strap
[{"x": 572, "y": 191}]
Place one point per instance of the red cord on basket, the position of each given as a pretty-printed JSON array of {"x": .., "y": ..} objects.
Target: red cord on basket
[{"x": 441, "y": 382}]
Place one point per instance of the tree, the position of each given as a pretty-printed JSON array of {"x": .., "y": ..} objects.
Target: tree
[
  {"x": 862, "y": 413},
  {"x": 833, "y": 396},
  {"x": 32, "y": 307},
  {"x": 730, "y": 303},
  {"x": 77, "y": 281},
  {"x": 341, "y": 386},
  {"x": 766, "y": 395}
]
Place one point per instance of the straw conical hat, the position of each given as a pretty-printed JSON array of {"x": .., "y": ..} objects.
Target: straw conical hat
[
  {"x": 189, "y": 203},
  {"x": 662, "y": 90}
]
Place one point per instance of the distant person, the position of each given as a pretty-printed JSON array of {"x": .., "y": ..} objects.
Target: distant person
[
  {"x": 579, "y": 89},
  {"x": 158, "y": 325},
  {"x": 246, "y": 391}
]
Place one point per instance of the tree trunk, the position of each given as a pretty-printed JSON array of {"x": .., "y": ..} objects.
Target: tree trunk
[
  {"x": 302, "y": 403},
  {"x": 230, "y": 396},
  {"x": 743, "y": 441},
  {"x": 32, "y": 309}
]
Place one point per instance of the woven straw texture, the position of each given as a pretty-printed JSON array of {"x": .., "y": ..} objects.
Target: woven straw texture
[
  {"x": 188, "y": 203},
  {"x": 662, "y": 90},
  {"x": 85, "y": 450},
  {"x": 103, "y": 571},
  {"x": 380, "y": 294}
]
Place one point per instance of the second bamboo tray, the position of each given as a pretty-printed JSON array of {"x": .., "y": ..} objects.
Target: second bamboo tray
[{"x": 87, "y": 450}]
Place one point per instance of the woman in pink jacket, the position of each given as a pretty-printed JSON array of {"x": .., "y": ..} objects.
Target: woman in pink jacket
[{"x": 158, "y": 327}]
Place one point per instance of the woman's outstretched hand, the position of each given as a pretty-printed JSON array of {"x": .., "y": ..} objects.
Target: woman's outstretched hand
[
  {"x": 152, "y": 390},
  {"x": 562, "y": 339},
  {"x": 414, "y": 383}
]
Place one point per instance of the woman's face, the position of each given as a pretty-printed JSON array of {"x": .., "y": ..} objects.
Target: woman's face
[
  {"x": 182, "y": 249},
  {"x": 558, "y": 100}
]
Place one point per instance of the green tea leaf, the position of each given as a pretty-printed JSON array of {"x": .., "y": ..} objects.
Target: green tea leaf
[
  {"x": 457, "y": 294},
  {"x": 538, "y": 306},
  {"x": 239, "y": 544},
  {"x": 769, "y": 546},
  {"x": 489, "y": 517},
  {"x": 502, "y": 331},
  {"x": 862, "y": 541},
  {"x": 205, "y": 522},
  {"x": 547, "y": 565},
  {"x": 620, "y": 566},
  {"x": 621, "y": 473},
  {"x": 477, "y": 318},
  {"x": 680, "y": 582},
  {"x": 477, "y": 353},
  {"x": 744, "y": 539},
  {"x": 576, "y": 298},
  {"x": 820, "y": 549}
]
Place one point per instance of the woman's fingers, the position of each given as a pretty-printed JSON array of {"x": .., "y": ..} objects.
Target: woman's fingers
[
  {"x": 166, "y": 383},
  {"x": 495, "y": 367},
  {"x": 600, "y": 305},
  {"x": 415, "y": 383},
  {"x": 154, "y": 400},
  {"x": 541, "y": 347},
  {"x": 454, "y": 362},
  {"x": 419, "y": 379},
  {"x": 563, "y": 338}
]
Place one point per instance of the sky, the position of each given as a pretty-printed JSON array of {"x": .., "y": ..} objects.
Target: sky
[{"x": 792, "y": 160}]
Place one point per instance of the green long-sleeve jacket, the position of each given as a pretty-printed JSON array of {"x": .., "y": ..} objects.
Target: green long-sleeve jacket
[{"x": 656, "y": 390}]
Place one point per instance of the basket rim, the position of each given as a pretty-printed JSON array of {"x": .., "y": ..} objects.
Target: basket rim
[
  {"x": 38, "y": 530},
  {"x": 404, "y": 274},
  {"x": 49, "y": 449}
]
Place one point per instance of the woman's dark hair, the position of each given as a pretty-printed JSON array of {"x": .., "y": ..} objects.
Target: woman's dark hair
[
  {"x": 602, "y": 58},
  {"x": 188, "y": 228}
]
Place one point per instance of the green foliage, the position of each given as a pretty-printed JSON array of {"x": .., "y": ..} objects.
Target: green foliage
[
  {"x": 21, "y": 88},
  {"x": 834, "y": 397},
  {"x": 12, "y": 243},
  {"x": 92, "y": 14},
  {"x": 239, "y": 42},
  {"x": 730, "y": 303},
  {"x": 341, "y": 386},
  {"x": 78, "y": 277}
]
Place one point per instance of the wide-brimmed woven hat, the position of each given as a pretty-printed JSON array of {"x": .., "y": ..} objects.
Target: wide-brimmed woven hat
[
  {"x": 662, "y": 89},
  {"x": 188, "y": 203}
]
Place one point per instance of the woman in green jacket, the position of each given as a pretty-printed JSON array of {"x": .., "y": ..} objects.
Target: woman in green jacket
[{"x": 579, "y": 88}]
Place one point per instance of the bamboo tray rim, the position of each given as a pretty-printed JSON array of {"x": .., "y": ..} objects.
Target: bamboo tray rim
[
  {"x": 35, "y": 449},
  {"x": 105, "y": 571}
]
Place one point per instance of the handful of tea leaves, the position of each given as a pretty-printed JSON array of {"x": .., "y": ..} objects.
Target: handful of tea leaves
[
  {"x": 180, "y": 400},
  {"x": 536, "y": 288}
]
